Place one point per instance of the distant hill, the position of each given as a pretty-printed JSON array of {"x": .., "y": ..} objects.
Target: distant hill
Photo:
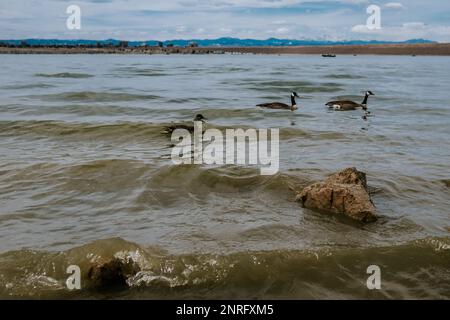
[{"x": 220, "y": 42}]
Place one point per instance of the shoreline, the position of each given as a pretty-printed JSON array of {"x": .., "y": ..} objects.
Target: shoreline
[{"x": 435, "y": 49}]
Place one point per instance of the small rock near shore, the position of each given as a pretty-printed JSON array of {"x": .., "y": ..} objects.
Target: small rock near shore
[{"x": 112, "y": 273}]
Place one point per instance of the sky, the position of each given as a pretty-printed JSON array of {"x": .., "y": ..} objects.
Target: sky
[{"x": 207, "y": 19}]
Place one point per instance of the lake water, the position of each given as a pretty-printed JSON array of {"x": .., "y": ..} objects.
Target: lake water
[{"x": 85, "y": 173}]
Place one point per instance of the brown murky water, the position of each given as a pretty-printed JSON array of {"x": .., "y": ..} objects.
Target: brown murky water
[{"x": 86, "y": 173}]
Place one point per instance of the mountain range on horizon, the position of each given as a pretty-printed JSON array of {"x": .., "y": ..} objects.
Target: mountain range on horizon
[{"x": 219, "y": 42}]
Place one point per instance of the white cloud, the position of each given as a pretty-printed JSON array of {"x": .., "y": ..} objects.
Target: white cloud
[
  {"x": 405, "y": 31},
  {"x": 362, "y": 28},
  {"x": 282, "y": 30},
  {"x": 168, "y": 19},
  {"x": 414, "y": 25},
  {"x": 226, "y": 30},
  {"x": 393, "y": 5},
  {"x": 279, "y": 22}
]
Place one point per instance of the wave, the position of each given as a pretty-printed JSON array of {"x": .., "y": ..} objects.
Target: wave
[
  {"x": 196, "y": 100},
  {"x": 446, "y": 182},
  {"x": 109, "y": 109},
  {"x": 152, "y": 272},
  {"x": 344, "y": 76},
  {"x": 139, "y": 72},
  {"x": 138, "y": 131},
  {"x": 163, "y": 185},
  {"x": 229, "y": 70},
  {"x": 85, "y": 110},
  {"x": 91, "y": 96},
  {"x": 170, "y": 182},
  {"x": 64, "y": 75},
  {"x": 80, "y": 130},
  {"x": 225, "y": 179},
  {"x": 29, "y": 86},
  {"x": 276, "y": 86}
]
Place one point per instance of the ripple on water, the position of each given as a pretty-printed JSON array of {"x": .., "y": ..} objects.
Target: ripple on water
[
  {"x": 139, "y": 72},
  {"x": 29, "y": 86},
  {"x": 277, "y": 86},
  {"x": 65, "y": 75},
  {"x": 92, "y": 96}
]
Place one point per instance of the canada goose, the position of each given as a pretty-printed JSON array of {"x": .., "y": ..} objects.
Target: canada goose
[
  {"x": 172, "y": 128},
  {"x": 279, "y": 105},
  {"x": 345, "y": 105}
]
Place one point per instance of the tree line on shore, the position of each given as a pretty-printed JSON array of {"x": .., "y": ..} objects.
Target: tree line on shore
[{"x": 91, "y": 45}]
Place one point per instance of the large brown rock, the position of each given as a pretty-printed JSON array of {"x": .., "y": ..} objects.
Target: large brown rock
[{"x": 344, "y": 193}]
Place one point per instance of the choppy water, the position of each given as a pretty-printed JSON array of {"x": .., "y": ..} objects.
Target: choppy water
[{"x": 85, "y": 172}]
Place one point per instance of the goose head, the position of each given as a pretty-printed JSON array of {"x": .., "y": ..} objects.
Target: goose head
[{"x": 366, "y": 97}]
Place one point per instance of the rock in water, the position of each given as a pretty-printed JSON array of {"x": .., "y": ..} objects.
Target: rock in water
[
  {"x": 344, "y": 193},
  {"x": 112, "y": 273},
  {"x": 349, "y": 176}
]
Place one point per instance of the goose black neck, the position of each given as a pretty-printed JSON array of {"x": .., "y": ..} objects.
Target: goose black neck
[
  {"x": 365, "y": 99},
  {"x": 293, "y": 101}
]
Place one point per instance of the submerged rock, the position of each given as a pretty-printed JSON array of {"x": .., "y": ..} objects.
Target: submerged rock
[
  {"x": 345, "y": 192},
  {"x": 112, "y": 273}
]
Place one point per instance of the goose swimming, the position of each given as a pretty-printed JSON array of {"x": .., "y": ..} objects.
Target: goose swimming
[
  {"x": 190, "y": 128},
  {"x": 279, "y": 105},
  {"x": 345, "y": 105}
]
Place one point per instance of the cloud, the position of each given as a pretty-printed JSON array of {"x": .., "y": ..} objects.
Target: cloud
[
  {"x": 414, "y": 25},
  {"x": 282, "y": 31},
  {"x": 168, "y": 19},
  {"x": 405, "y": 28},
  {"x": 405, "y": 31},
  {"x": 361, "y": 28},
  {"x": 225, "y": 30},
  {"x": 393, "y": 5},
  {"x": 279, "y": 22}
]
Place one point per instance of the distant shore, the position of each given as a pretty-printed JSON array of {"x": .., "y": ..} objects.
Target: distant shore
[{"x": 432, "y": 49}]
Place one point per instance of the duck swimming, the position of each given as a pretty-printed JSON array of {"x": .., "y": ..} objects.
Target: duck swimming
[
  {"x": 279, "y": 105},
  {"x": 346, "y": 105},
  {"x": 172, "y": 128}
]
